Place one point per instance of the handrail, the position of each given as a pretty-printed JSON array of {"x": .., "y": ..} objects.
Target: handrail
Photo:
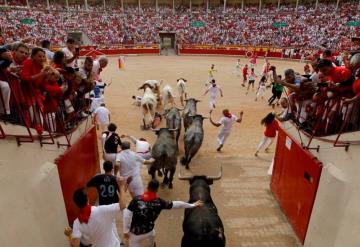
[{"x": 324, "y": 124}]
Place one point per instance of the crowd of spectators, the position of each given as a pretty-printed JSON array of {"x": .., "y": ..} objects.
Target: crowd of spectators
[
  {"x": 306, "y": 28},
  {"x": 323, "y": 100},
  {"x": 45, "y": 90}
]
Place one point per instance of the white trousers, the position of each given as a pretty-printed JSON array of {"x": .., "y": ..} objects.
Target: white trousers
[
  {"x": 261, "y": 92},
  {"x": 212, "y": 102},
  {"x": 5, "y": 101},
  {"x": 110, "y": 157},
  {"x": 136, "y": 240},
  {"x": 136, "y": 186},
  {"x": 51, "y": 121},
  {"x": 265, "y": 142},
  {"x": 222, "y": 136}
]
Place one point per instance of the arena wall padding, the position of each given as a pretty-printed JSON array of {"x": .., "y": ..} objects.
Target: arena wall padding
[
  {"x": 112, "y": 52},
  {"x": 295, "y": 181},
  {"x": 76, "y": 166},
  {"x": 227, "y": 52}
]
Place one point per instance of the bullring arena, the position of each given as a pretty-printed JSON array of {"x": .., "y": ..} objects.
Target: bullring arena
[
  {"x": 56, "y": 57},
  {"x": 250, "y": 214}
]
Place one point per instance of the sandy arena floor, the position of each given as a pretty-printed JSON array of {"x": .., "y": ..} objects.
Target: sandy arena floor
[{"x": 250, "y": 214}]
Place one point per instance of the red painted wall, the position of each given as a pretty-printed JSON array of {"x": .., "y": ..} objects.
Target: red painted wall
[
  {"x": 91, "y": 52},
  {"x": 76, "y": 166},
  {"x": 232, "y": 52},
  {"x": 294, "y": 182}
]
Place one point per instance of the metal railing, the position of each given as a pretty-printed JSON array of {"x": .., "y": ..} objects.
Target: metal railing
[
  {"x": 30, "y": 113},
  {"x": 318, "y": 120}
]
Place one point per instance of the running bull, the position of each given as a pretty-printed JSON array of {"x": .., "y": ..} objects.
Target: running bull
[
  {"x": 202, "y": 226},
  {"x": 189, "y": 111},
  {"x": 164, "y": 152},
  {"x": 193, "y": 139},
  {"x": 173, "y": 121}
]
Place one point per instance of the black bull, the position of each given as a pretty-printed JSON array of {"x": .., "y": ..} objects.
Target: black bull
[
  {"x": 164, "y": 152},
  {"x": 202, "y": 226}
]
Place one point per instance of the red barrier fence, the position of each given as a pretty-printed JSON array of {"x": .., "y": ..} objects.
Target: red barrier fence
[
  {"x": 76, "y": 166},
  {"x": 295, "y": 181}
]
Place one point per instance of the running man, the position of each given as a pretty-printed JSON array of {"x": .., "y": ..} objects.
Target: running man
[
  {"x": 261, "y": 89},
  {"x": 211, "y": 74},
  {"x": 252, "y": 78},
  {"x": 213, "y": 91},
  {"x": 142, "y": 212},
  {"x": 129, "y": 164},
  {"x": 245, "y": 74},
  {"x": 253, "y": 60},
  {"x": 237, "y": 69},
  {"x": 226, "y": 121}
]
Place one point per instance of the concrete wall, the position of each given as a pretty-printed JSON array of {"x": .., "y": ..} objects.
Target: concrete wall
[
  {"x": 335, "y": 217},
  {"x": 32, "y": 211}
]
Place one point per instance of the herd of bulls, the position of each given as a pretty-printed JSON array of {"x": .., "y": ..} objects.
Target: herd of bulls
[{"x": 202, "y": 226}]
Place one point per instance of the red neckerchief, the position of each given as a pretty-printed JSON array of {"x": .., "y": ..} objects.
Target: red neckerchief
[
  {"x": 85, "y": 214},
  {"x": 228, "y": 115},
  {"x": 148, "y": 196}
]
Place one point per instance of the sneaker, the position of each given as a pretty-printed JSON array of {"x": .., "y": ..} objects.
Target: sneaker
[
  {"x": 267, "y": 150},
  {"x": 256, "y": 154},
  {"x": 219, "y": 148}
]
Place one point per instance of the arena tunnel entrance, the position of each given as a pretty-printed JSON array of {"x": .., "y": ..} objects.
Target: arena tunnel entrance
[
  {"x": 167, "y": 43},
  {"x": 80, "y": 37}
]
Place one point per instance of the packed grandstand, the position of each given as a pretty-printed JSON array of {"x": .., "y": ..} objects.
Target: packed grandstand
[
  {"x": 308, "y": 27},
  {"x": 55, "y": 94}
]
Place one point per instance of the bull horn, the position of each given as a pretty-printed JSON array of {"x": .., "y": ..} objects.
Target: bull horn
[
  {"x": 154, "y": 129},
  {"x": 216, "y": 177},
  {"x": 184, "y": 177},
  {"x": 176, "y": 129}
]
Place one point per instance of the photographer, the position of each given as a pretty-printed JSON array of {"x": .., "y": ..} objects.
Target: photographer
[
  {"x": 300, "y": 91},
  {"x": 71, "y": 53}
]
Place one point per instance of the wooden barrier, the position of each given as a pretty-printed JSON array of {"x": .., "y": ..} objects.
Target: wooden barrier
[
  {"x": 295, "y": 181},
  {"x": 76, "y": 167}
]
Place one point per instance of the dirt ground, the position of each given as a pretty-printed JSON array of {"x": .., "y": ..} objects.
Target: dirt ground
[{"x": 250, "y": 214}]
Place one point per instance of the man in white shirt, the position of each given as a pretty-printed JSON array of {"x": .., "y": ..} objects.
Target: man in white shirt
[
  {"x": 102, "y": 117},
  {"x": 70, "y": 53},
  {"x": 213, "y": 91},
  {"x": 237, "y": 69},
  {"x": 226, "y": 122},
  {"x": 96, "y": 226},
  {"x": 98, "y": 66},
  {"x": 129, "y": 164},
  {"x": 286, "y": 113}
]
